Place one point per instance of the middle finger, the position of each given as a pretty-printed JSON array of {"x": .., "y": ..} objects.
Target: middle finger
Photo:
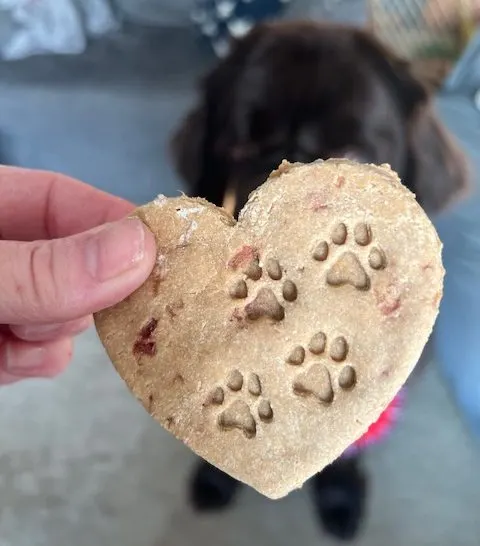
[{"x": 50, "y": 332}]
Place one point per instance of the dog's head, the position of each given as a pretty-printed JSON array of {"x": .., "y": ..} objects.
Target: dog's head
[{"x": 303, "y": 91}]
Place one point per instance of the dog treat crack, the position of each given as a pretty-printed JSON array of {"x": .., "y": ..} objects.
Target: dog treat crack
[{"x": 263, "y": 344}]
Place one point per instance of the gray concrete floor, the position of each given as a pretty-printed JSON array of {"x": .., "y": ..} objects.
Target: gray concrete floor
[
  {"x": 82, "y": 464},
  {"x": 104, "y": 117}
]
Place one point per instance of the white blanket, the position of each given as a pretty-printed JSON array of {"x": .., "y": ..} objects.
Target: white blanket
[{"x": 54, "y": 26}]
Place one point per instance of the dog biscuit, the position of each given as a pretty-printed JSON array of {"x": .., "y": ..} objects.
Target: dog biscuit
[{"x": 269, "y": 345}]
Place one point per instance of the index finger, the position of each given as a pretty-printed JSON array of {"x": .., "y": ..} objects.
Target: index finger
[{"x": 45, "y": 205}]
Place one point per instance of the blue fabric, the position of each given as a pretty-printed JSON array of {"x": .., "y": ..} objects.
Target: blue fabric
[
  {"x": 457, "y": 332},
  {"x": 220, "y": 20}
]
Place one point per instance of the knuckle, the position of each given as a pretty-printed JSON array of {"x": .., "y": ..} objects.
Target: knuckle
[{"x": 43, "y": 292}]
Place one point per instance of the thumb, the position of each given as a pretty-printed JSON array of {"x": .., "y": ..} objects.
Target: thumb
[{"x": 64, "y": 279}]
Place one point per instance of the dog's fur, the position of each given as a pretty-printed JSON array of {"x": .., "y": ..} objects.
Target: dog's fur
[{"x": 303, "y": 91}]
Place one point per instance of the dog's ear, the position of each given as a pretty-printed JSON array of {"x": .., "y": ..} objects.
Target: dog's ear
[
  {"x": 397, "y": 74},
  {"x": 437, "y": 170},
  {"x": 199, "y": 145},
  {"x": 195, "y": 158},
  {"x": 187, "y": 145}
]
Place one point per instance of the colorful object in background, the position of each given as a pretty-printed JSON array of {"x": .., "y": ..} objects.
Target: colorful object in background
[
  {"x": 424, "y": 28},
  {"x": 381, "y": 428},
  {"x": 430, "y": 33},
  {"x": 221, "y": 20}
]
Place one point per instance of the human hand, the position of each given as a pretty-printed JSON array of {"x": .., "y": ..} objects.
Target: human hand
[{"x": 66, "y": 251}]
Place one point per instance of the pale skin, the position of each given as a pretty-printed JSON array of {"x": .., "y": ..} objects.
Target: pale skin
[{"x": 67, "y": 250}]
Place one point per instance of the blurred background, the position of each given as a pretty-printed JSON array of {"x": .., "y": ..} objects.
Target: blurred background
[{"x": 93, "y": 89}]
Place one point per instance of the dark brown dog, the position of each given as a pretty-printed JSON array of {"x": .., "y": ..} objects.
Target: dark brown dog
[{"x": 303, "y": 91}]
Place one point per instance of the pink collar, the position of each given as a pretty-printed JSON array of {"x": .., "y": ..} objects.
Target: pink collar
[{"x": 382, "y": 427}]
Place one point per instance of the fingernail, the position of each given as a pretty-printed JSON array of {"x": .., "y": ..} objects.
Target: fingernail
[
  {"x": 23, "y": 362},
  {"x": 115, "y": 249}
]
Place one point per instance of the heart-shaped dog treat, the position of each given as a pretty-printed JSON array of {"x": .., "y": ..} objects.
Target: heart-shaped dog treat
[{"x": 270, "y": 345}]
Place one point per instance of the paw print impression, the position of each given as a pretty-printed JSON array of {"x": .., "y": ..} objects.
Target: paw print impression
[
  {"x": 241, "y": 403},
  {"x": 264, "y": 287},
  {"x": 351, "y": 256},
  {"x": 323, "y": 368}
]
